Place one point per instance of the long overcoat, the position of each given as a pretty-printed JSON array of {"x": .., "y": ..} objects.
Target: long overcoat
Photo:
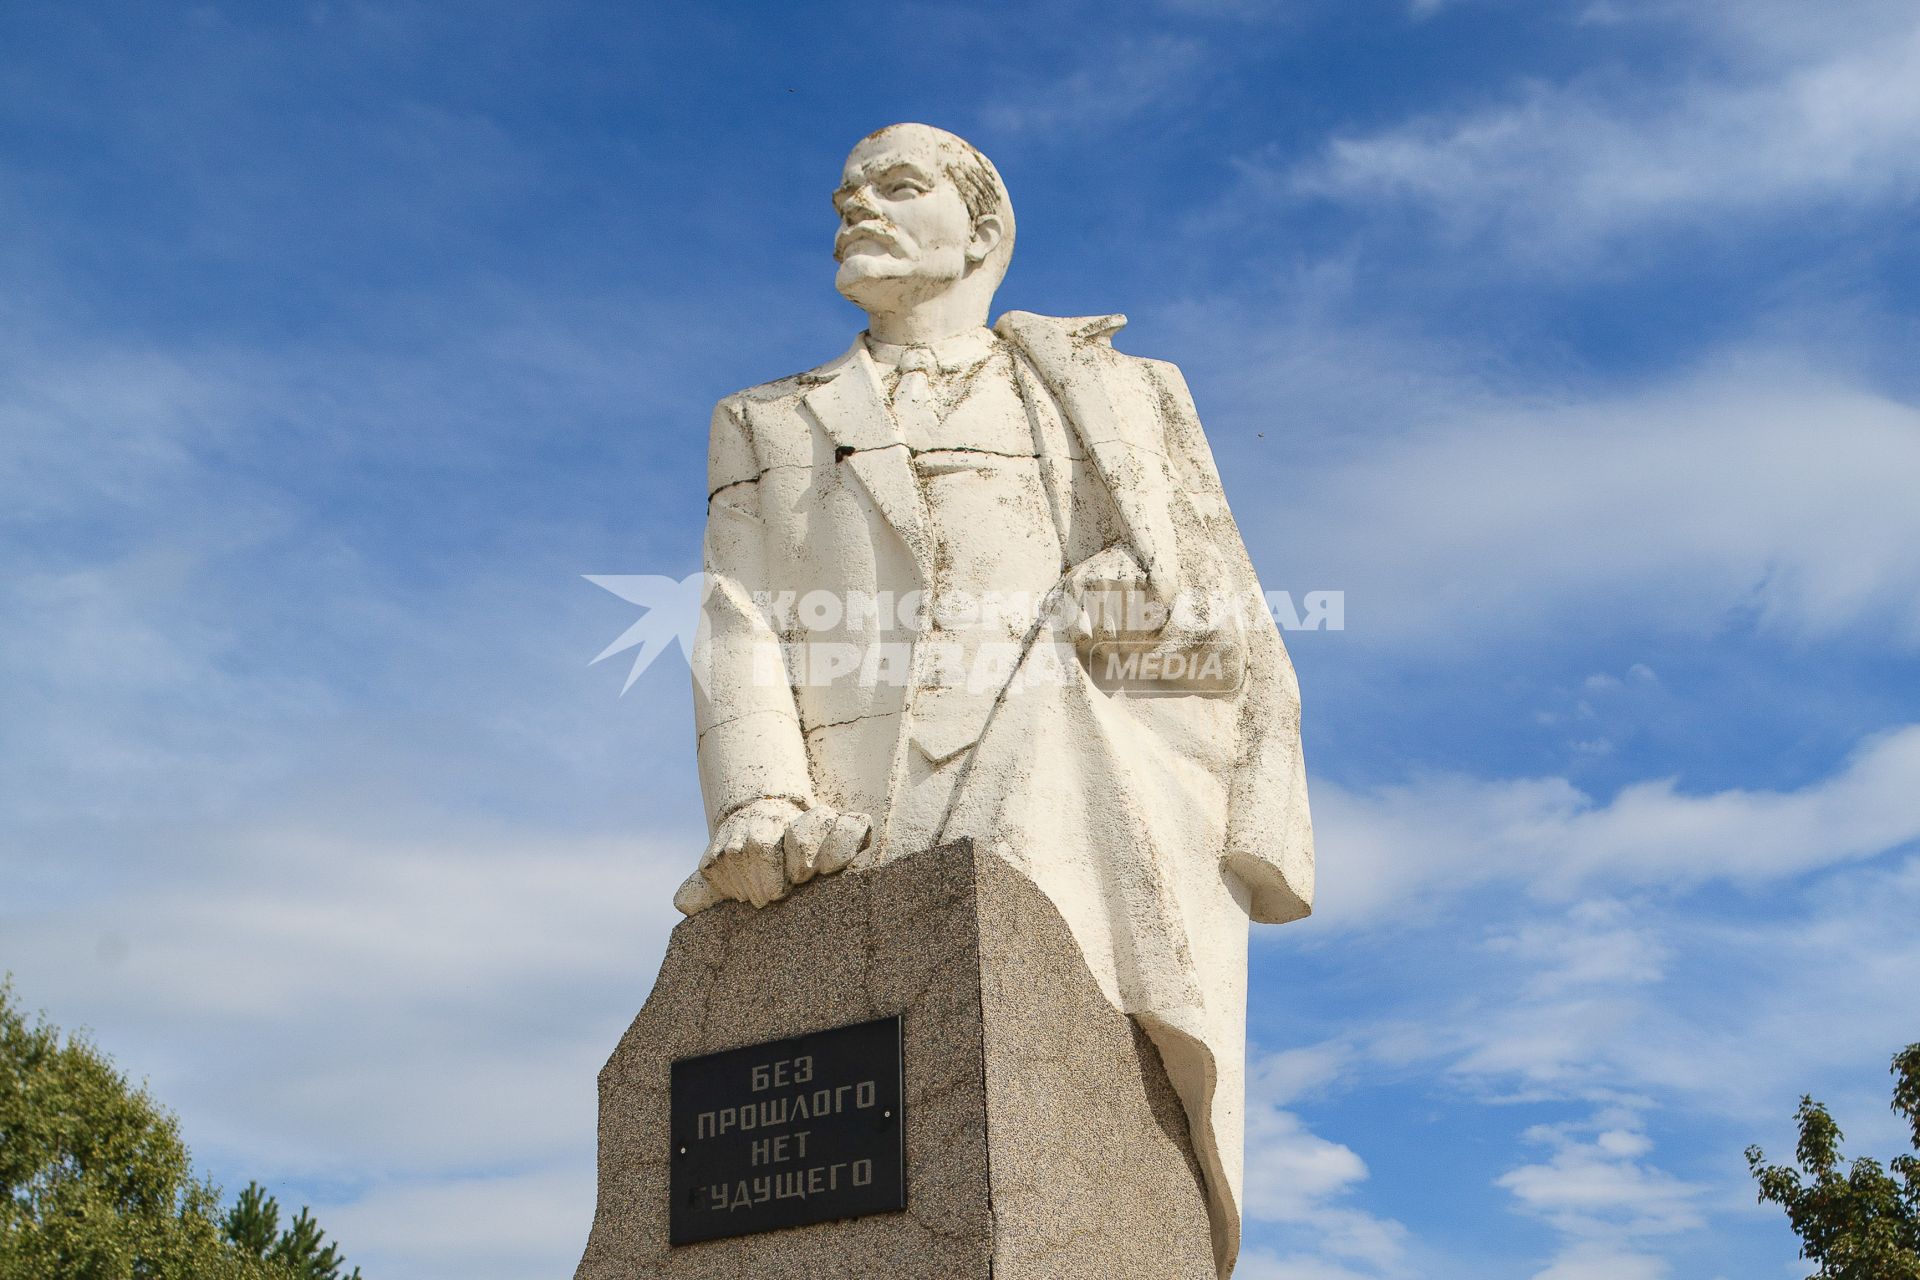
[{"x": 1158, "y": 825}]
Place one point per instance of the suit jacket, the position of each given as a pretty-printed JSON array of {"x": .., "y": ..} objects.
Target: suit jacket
[{"x": 1157, "y": 826}]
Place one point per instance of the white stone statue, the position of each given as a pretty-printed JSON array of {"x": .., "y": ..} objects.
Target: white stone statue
[{"x": 930, "y": 563}]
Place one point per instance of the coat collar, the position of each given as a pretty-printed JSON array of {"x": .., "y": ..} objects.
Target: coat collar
[{"x": 956, "y": 354}]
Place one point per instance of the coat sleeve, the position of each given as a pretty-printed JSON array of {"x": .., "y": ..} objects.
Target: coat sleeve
[
  {"x": 750, "y": 743},
  {"x": 1269, "y": 829}
]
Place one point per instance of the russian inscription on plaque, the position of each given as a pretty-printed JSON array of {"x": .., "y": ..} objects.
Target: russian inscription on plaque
[{"x": 793, "y": 1131}]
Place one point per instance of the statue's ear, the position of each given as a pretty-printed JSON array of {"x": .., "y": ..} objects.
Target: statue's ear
[{"x": 988, "y": 231}]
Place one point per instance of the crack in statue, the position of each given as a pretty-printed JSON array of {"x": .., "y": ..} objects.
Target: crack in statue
[{"x": 1030, "y": 460}]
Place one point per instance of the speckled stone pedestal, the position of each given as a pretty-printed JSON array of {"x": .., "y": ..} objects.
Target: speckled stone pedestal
[{"x": 1043, "y": 1139}]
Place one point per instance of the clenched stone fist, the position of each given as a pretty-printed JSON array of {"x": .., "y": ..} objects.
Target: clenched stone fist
[{"x": 763, "y": 849}]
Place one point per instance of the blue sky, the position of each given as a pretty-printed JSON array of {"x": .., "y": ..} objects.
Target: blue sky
[{"x": 1574, "y": 342}]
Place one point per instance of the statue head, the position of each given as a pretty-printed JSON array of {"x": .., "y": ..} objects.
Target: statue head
[{"x": 924, "y": 217}]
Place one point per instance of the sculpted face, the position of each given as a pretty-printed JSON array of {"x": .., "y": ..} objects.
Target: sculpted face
[{"x": 905, "y": 232}]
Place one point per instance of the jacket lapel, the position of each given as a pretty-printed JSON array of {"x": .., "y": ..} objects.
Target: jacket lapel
[
  {"x": 1127, "y": 449},
  {"x": 868, "y": 442}
]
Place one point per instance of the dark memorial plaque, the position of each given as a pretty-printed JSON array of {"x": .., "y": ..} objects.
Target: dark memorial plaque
[{"x": 789, "y": 1132}]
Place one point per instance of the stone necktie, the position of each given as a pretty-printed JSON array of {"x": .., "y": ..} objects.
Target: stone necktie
[{"x": 913, "y": 404}]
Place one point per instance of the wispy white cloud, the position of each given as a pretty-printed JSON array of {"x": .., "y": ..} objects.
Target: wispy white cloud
[
  {"x": 1595, "y": 1184},
  {"x": 1599, "y": 942},
  {"x": 487, "y": 1228},
  {"x": 1433, "y": 838},
  {"x": 1291, "y": 1170},
  {"x": 1588, "y": 1260},
  {"x": 1301, "y": 1185},
  {"x": 1763, "y": 33},
  {"x": 209, "y": 590},
  {"x": 1655, "y": 1020},
  {"x": 1284, "y": 1076},
  {"x": 1562, "y": 167},
  {"x": 1743, "y": 494},
  {"x": 1603, "y": 1198},
  {"x": 1730, "y": 1021},
  {"x": 1117, "y": 80},
  {"x": 1298, "y": 364},
  {"x": 395, "y": 1017},
  {"x": 1244, "y": 10},
  {"x": 442, "y": 956},
  {"x": 1265, "y": 1264}
]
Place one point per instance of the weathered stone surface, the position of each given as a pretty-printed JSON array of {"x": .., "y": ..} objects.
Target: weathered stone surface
[
  {"x": 982, "y": 583},
  {"x": 1039, "y": 1119}
]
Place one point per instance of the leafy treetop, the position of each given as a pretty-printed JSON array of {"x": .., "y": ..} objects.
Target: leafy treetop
[
  {"x": 1863, "y": 1222},
  {"x": 96, "y": 1184}
]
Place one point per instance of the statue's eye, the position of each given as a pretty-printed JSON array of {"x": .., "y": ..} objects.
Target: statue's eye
[{"x": 904, "y": 190}]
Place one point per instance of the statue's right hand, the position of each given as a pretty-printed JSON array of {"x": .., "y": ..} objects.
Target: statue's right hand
[
  {"x": 745, "y": 860},
  {"x": 763, "y": 849},
  {"x": 1109, "y": 589}
]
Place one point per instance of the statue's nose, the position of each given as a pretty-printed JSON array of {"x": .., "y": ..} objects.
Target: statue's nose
[{"x": 858, "y": 206}]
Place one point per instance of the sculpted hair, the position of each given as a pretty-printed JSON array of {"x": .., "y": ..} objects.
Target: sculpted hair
[{"x": 980, "y": 185}]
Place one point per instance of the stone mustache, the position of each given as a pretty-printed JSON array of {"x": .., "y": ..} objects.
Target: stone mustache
[{"x": 972, "y": 582}]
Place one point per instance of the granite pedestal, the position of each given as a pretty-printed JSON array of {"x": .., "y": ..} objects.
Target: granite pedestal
[{"x": 1043, "y": 1140}]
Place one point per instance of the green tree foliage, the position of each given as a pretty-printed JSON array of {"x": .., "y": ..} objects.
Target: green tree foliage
[
  {"x": 1862, "y": 1223},
  {"x": 253, "y": 1224},
  {"x": 302, "y": 1251},
  {"x": 95, "y": 1183}
]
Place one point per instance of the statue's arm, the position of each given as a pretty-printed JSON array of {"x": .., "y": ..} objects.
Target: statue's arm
[
  {"x": 768, "y": 832},
  {"x": 750, "y": 745}
]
